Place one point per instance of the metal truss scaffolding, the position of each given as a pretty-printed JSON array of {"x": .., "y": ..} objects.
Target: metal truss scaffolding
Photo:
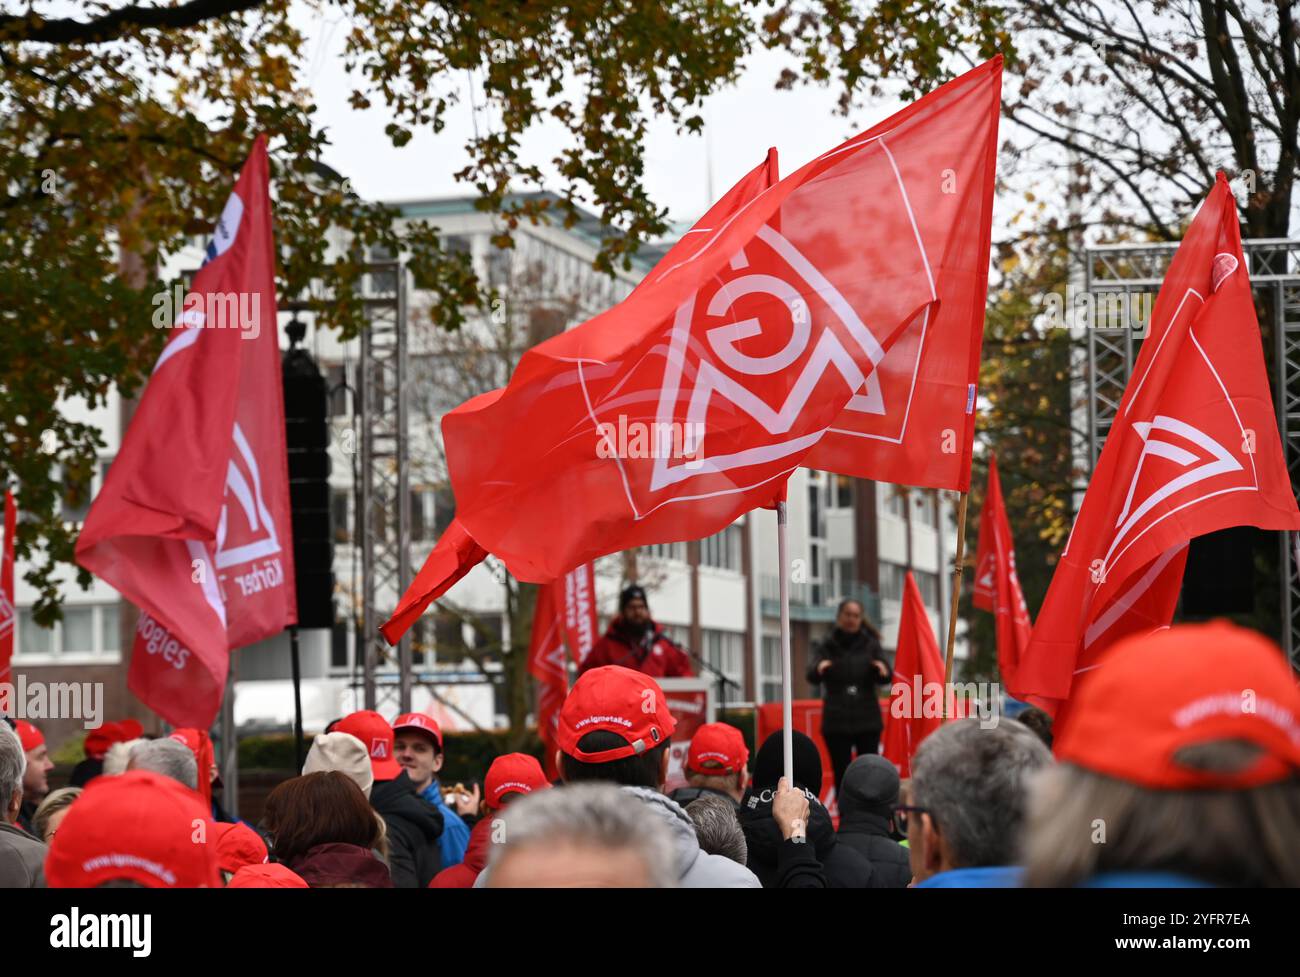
[
  {"x": 1129, "y": 271},
  {"x": 384, "y": 518}
]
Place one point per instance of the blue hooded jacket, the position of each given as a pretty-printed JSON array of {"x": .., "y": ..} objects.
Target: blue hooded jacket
[{"x": 455, "y": 832}]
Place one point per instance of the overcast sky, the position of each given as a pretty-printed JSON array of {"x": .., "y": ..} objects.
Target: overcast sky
[{"x": 743, "y": 121}]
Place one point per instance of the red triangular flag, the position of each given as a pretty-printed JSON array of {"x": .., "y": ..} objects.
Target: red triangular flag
[
  {"x": 192, "y": 524},
  {"x": 997, "y": 586},
  {"x": 1194, "y": 448},
  {"x": 688, "y": 404},
  {"x": 547, "y": 664},
  {"x": 918, "y": 694}
]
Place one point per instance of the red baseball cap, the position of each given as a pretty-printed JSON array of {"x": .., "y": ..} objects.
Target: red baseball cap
[
  {"x": 30, "y": 736},
  {"x": 373, "y": 730},
  {"x": 139, "y": 826},
  {"x": 418, "y": 720},
  {"x": 1153, "y": 694},
  {"x": 99, "y": 740},
  {"x": 272, "y": 875},
  {"x": 717, "y": 748},
  {"x": 237, "y": 845},
  {"x": 513, "y": 773},
  {"x": 131, "y": 729},
  {"x": 620, "y": 701}
]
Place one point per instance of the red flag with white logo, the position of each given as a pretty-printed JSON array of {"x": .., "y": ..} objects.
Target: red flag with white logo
[
  {"x": 997, "y": 586},
  {"x": 691, "y": 402},
  {"x": 547, "y": 663},
  {"x": 581, "y": 625},
  {"x": 916, "y": 702},
  {"x": 192, "y": 524},
  {"x": 1194, "y": 448},
  {"x": 8, "y": 611},
  {"x": 456, "y": 552}
]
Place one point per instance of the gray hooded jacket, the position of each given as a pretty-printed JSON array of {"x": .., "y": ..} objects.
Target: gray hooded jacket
[{"x": 696, "y": 869}]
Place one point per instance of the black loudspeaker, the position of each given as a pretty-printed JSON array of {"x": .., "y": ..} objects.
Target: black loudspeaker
[
  {"x": 1220, "y": 575},
  {"x": 307, "y": 436}
]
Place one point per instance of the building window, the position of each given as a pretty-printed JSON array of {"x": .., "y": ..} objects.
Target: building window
[
  {"x": 925, "y": 509},
  {"x": 842, "y": 492},
  {"x": 770, "y": 680},
  {"x": 725, "y": 651},
  {"x": 341, "y": 645},
  {"x": 892, "y": 577},
  {"x": 86, "y": 631},
  {"x": 666, "y": 551},
  {"x": 341, "y": 514},
  {"x": 455, "y": 244},
  {"x": 928, "y": 584},
  {"x": 895, "y": 501},
  {"x": 722, "y": 550},
  {"x": 842, "y": 583}
]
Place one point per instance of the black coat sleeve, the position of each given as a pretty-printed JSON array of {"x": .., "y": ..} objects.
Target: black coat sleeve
[
  {"x": 815, "y": 658},
  {"x": 797, "y": 867},
  {"x": 401, "y": 861}
]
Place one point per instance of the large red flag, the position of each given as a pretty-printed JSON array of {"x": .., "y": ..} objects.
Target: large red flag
[
  {"x": 192, "y": 524},
  {"x": 1194, "y": 449},
  {"x": 997, "y": 586},
  {"x": 456, "y": 552},
  {"x": 8, "y": 611},
  {"x": 688, "y": 404},
  {"x": 918, "y": 694}
]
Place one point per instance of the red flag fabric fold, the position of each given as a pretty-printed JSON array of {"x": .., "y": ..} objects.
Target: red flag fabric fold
[
  {"x": 1194, "y": 448},
  {"x": 192, "y": 524},
  {"x": 918, "y": 694},
  {"x": 997, "y": 586},
  {"x": 688, "y": 404}
]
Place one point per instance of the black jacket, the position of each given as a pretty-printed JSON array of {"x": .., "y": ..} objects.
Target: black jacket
[
  {"x": 867, "y": 797},
  {"x": 844, "y": 868},
  {"x": 849, "y": 685},
  {"x": 413, "y": 829},
  {"x": 868, "y": 834}
]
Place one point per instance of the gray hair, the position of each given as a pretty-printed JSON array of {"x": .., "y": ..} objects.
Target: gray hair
[
  {"x": 167, "y": 757},
  {"x": 1082, "y": 824},
  {"x": 975, "y": 783},
  {"x": 718, "y": 828},
  {"x": 13, "y": 766},
  {"x": 118, "y": 756},
  {"x": 594, "y": 815}
]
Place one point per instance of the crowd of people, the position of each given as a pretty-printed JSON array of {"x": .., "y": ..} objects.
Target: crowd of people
[{"x": 1177, "y": 764}]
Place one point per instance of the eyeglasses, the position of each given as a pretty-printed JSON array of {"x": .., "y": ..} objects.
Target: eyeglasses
[{"x": 901, "y": 815}]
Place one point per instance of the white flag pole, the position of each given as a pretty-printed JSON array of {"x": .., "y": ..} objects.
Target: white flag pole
[{"x": 787, "y": 695}]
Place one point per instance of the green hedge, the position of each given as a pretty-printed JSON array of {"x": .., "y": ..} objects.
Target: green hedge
[{"x": 468, "y": 755}]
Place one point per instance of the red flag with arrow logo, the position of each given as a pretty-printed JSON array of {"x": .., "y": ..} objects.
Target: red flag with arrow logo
[
  {"x": 1194, "y": 448},
  {"x": 192, "y": 524}
]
